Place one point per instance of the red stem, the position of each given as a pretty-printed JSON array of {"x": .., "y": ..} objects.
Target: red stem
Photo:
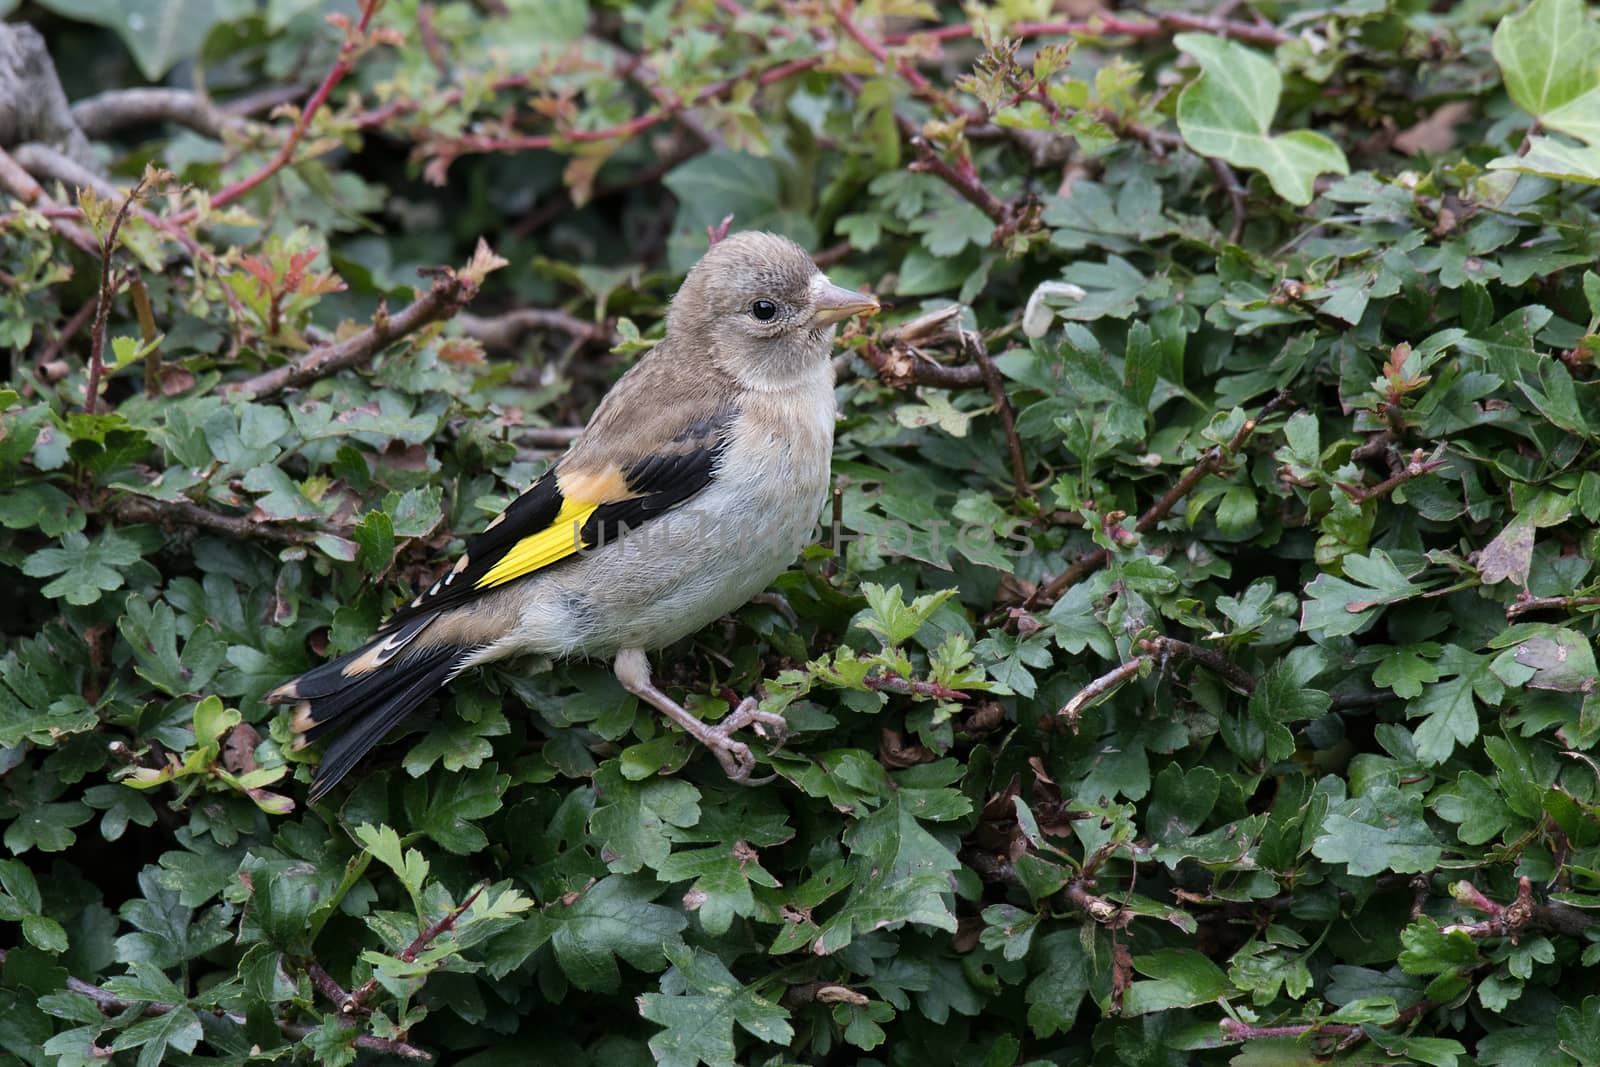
[{"x": 285, "y": 153}]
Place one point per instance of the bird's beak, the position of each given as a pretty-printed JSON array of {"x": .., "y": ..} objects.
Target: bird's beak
[{"x": 835, "y": 303}]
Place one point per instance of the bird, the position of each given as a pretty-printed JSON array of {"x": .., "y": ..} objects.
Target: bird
[{"x": 695, "y": 483}]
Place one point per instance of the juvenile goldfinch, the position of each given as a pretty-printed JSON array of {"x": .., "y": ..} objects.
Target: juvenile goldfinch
[{"x": 695, "y": 484}]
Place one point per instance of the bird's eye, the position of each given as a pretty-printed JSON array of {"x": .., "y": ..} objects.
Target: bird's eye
[{"x": 764, "y": 310}]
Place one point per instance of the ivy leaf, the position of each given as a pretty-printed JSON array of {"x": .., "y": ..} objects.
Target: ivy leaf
[
  {"x": 698, "y": 1006},
  {"x": 1227, "y": 112},
  {"x": 159, "y": 33}
]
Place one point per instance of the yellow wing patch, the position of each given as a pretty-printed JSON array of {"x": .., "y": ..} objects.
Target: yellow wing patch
[{"x": 557, "y": 541}]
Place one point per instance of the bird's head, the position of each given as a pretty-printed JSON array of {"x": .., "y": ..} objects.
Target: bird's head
[{"x": 757, "y": 303}]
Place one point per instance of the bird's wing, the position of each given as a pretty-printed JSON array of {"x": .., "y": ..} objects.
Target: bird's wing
[{"x": 585, "y": 500}]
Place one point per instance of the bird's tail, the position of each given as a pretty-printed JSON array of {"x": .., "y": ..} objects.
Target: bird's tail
[{"x": 364, "y": 694}]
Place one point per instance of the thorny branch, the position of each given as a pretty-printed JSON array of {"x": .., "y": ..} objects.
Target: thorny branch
[
  {"x": 108, "y": 248},
  {"x": 450, "y": 292},
  {"x": 352, "y": 1005},
  {"x": 356, "y": 41},
  {"x": 1210, "y": 462}
]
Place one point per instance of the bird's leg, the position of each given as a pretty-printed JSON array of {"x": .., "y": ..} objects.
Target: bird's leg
[
  {"x": 779, "y": 603},
  {"x": 633, "y": 671}
]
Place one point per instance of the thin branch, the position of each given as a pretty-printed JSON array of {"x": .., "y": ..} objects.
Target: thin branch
[
  {"x": 133, "y": 508},
  {"x": 1230, "y": 185},
  {"x": 1210, "y": 462},
  {"x": 903, "y": 368},
  {"x": 964, "y": 181},
  {"x": 1102, "y": 686},
  {"x": 147, "y": 333},
  {"x": 506, "y": 330},
  {"x": 978, "y": 352},
  {"x": 1230, "y": 672},
  {"x": 103, "y": 114},
  {"x": 450, "y": 292},
  {"x": 20, "y": 184},
  {"x": 1566, "y": 604},
  {"x": 893, "y": 683},
  {"x": 355, "y": 1003},
  {"x": 444, "y": 151},
  {"x": 97, "y": 335},
  {"x": 113, "y": 1004},
  {"x": 1415, "y": 468},
  {"x": 1108, "y": 26}
]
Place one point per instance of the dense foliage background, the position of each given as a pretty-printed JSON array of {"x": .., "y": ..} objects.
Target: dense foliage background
[{"x": 1199, "y": 668}]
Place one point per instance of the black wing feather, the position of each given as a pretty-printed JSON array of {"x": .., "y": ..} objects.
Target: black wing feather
[{"x": 535, "y": 509}]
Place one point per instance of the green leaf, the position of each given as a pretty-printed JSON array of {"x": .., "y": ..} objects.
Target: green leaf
[
  {"x": 699, "y": 1005},
  {"x": 1228, "y": 111},
  {"x": 1183, "y": 978},
  {"x": 87, "y": 569},
  {"x": 614, "y": 919},
  {"x": 159, "y": 33},
  {"x": 634, "y": 818},
  {"x": 1382, "y": 830},
  {"x": 1545, "y": 54},
  {"x": 1340, "y": 606},
  {"x": 445, "y": 809}
]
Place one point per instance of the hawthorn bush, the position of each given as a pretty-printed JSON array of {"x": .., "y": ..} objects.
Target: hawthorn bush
[{"x": 1195, "y": 664}]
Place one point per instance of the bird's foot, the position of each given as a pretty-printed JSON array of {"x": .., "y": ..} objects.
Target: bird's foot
[{"x": 735, "y": 756}]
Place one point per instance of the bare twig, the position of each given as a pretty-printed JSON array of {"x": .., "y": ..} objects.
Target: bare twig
[
  {"x": 110, "y": 1002},
  {"x": 108, "y": 112},
  {"x": 147, "y": 333},
  {"x": 1101, "y": 686},
  {"x": 169, "y": 513},
  {"x": 506, "y": 330},
  {"x": 964, "y": 181},
  {"x": 20, "y": 184},
  {"x": 901, "y": 369},
  {"x": 450, "y": 292},
  {"x": 1230, "y": 185},
  {"x": 97, "y": 335},
  {"x": 1102, "y": 25},
  {"x": 893, "y": 683},
  {"x": 1531, "y": 604},
  {"x": 1415, "y": 468},
  {"x": 1237, "y": 678},
  {"x": 975, "y": 349},
  {"x": 444, "y": 151}
]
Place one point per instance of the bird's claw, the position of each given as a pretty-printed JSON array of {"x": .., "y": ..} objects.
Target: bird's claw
[{"x": 738, "y": 762}]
